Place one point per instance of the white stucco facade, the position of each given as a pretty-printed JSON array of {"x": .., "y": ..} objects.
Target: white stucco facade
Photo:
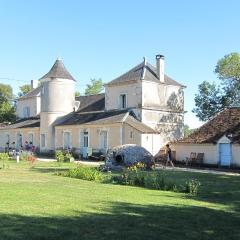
[
  {"x": 211, "y": 151},
  {"x": 154, "y": 100},
  {"x": 33, "y": 103}
]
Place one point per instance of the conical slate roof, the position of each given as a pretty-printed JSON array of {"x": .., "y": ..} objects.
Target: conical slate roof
[{"x": 58, "y": 70}]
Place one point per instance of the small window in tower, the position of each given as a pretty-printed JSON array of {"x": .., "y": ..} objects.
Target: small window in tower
[{"x": 123, "y": 101}]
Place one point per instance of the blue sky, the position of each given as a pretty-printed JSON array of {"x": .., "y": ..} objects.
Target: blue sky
[{"x": 103, "y": 39}]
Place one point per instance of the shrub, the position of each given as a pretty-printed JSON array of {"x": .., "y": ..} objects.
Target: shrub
[
  {"x": 59, "y": 156},
  {"x": 134, "y": 175},
  {"x": 32, "y": 159},
  {"x": 68, "y": 157},
  {"x": 23, "y": 156},
  {"x": 192, "y": 186},
  {"x": 155, "y": 180},
  {"x": 4, "y": 159},
  {"x": 85, "y": 173}
]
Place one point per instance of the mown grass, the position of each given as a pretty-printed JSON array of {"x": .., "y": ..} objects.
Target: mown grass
[{"x": 37, "y": 204}]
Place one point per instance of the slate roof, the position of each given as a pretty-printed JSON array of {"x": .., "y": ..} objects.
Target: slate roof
[
  {"x": 224, "y": 123},
  {"x": 91, "y": 103},
  {"x": 143, "y": 72},
  {"x": 33, "y": 93},
  {"x": 24, "y": 123},
  {"x": 105, "y": 117},
  {"x": 58, "y": 70}
]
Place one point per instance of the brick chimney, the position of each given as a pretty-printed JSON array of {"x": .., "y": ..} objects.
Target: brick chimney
[{"x": 160, "y": 67}]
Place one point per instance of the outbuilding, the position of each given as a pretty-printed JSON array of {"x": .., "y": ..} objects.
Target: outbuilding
[{"x": 218, "y": 139}]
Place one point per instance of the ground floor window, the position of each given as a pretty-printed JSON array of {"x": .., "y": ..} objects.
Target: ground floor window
[
  {"x": 43, "y": 140},
  {"x": 66, "y": 140},
  {"x": 7, "y": 138},
  {"x": 30, "y": 138},
  {"x": 104, "y": 139},
  {"x": 85, "y": 139},
  {"x": 19, "y": 140}
]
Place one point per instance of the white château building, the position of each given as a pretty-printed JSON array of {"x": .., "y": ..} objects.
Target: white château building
[{"x": 143, "y": 106}]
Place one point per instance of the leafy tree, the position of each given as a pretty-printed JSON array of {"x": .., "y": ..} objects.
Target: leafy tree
[
  {"x": 95, "y": 87},
  {"x": 213, "y": 98},
  {"x": 7, "y": 111},
  {"x": 187, "y": 130},
  {"x": 209, "y": 101},
  {"x": 77, "y": 94},
  {"x": 6, "y": 93},
  {"x": 228, "y": 71},
  {"x": 26, "y": 88}
]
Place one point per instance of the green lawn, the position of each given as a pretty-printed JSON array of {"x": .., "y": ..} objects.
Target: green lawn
[{"x": 36, "y": 204}]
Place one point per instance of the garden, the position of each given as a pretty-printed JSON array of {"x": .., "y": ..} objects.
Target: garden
[{"x": 53, "y": 201}]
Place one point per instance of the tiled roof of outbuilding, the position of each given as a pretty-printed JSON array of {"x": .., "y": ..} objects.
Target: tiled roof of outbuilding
[
  {"x": 143, "y": 72},
  {"x": 58, "y": 70},
  {"x": 226, "y": 123}
]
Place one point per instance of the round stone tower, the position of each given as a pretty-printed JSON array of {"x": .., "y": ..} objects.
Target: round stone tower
[{"x": 57, "y": 100}]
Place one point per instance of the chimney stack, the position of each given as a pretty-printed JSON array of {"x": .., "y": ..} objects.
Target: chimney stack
[
  {"x": 34, "y": 84},
  {"x": 160, "y": 67}
]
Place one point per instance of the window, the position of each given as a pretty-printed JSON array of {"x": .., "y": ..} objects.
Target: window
[
  {"x": 43, "y": 140},
  {"x": 85, "y": 139},
  {"x": 103, "y": 139},
  {"x": 19, "y": 140},
  {"x": 26, "y": 112},
  {"x": 66, "y": 140},
  {"x": 7, "y": 139},
  {"x": 30, "y": 138},
  {"x": 131, "y": 134},
  {"x": 123, "y": 101}
]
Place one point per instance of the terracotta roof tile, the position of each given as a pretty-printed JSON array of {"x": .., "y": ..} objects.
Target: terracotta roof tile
[{"x": 224, "y": 123}]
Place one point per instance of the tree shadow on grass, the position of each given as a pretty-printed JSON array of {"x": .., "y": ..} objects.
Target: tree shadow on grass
[
  {"x": 217, "y": 189},
  {"x": 126, "y": 221},
  {"x": 53, "y": 169}
]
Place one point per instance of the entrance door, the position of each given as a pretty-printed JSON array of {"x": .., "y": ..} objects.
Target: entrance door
[{"x": 225, "y": 154}]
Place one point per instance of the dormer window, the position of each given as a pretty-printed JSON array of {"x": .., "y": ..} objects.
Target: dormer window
[{"x": 123, "y": 101}]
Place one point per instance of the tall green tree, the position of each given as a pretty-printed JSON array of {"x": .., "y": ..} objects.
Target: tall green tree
[
  {"x": 24, "y": 89},
  {"x": 187, "y": 130},
  {"x": 6, "y": 92},
  {"x": 228, "y": 71},
  {"x": 95, "y": 87},
  {"x": 77, "y": 94},
  {"x": 212, "y": 98},
  {"x": 209, "y": 100},
  {"x": 7, "y": 111}
]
